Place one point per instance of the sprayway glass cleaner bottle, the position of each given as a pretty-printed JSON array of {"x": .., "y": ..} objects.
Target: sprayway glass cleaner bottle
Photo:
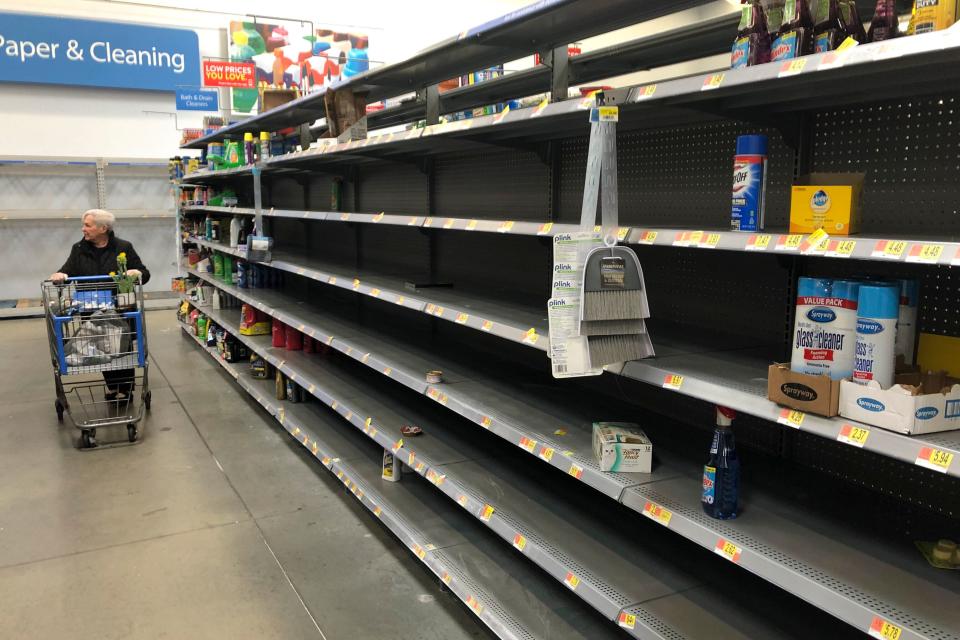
[
  {"x": 752, "y": 45},
  {"x": 884, "y": 25},
  {"x": 721, "y": 475},
  {"x": 796, "y": 33}
]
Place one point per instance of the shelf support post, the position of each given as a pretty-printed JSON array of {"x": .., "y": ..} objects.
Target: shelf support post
[{"x": 558, "y": 61}]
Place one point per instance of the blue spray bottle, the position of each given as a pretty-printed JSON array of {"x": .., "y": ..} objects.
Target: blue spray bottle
[{"x": 721, "y": 474}]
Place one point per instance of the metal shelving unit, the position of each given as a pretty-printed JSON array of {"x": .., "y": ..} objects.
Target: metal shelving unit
[
  {"x": 606, "y": 567},
  {"x": 503, "y": 184}
]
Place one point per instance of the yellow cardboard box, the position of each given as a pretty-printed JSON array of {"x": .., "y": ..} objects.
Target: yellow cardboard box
[{"x": 828, "y": 201}]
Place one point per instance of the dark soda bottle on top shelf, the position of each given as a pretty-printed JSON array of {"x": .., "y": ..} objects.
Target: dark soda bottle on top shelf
[
  {"x": 852, "y": 24},
  {"x": 884, "y": 25},
  {"x": 721, "y": 474},
  {"x": 752, "y": 45},
  {"x": 828, "y": 29},
  {"x": 795, "y": 38}
]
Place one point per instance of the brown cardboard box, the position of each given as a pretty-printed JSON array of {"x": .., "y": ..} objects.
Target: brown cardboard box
[{"x": 802, "y": 391}]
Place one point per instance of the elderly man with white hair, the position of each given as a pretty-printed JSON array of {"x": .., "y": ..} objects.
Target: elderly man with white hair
[{"x": 96, "y": 255}]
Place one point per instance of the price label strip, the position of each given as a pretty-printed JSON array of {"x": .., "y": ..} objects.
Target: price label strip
[
  {"x": 627, "y": 620},
  {"x": 856, "y": 436},
  {"x": 673, "y": 381},
  {"x": 925, "y": 253},
  {"x": 789, "y": 243},
  {"x": 713, "y": 239},
  {"x": 841, "y": 248},
  {"x": 714, "y": 81},
  {"x": 519, "y": 542},
  {"x": 758, "y": 242},
  {"x": 647, "y": 237},
  {"x": 956, "y": 259},
  {"x": 571, "y": 581},
  {"x": 792, "y": 67},
  {"x": 816, "y": 242},
  {"x": 486, "y": 512},
  {"x": 728, "y": 550},
  {"x": 880, "y": 628},
  {"x": 934, "y": 459},
  {"x": 889, "y": 249},
  {"x": 657, "y": 513},
  {"x": 791, "y": 418},
  {"x": 646, "y": 92}
]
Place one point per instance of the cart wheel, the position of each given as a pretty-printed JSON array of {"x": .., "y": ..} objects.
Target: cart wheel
[
  {"x": 59, "y": 406},
  {"x": 88, "y": 439},
  {"x": 146, "y": 400},
  {"x": 132, "y": 432}
]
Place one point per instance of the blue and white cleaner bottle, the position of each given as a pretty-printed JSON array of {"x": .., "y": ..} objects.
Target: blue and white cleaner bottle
[
  {"x": 877, "y": 314},
  {"x": 749, "y": 183},
  {"x": 721, "y": 474},
  {"x": 907, "y": 322},
  {"x": 824, "y": 332}
]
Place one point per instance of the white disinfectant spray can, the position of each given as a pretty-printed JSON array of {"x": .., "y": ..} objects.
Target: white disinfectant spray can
[{"x": 877, "y": 313}]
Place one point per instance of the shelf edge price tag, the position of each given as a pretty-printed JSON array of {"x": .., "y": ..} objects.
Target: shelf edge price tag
[
  {"x": 545, "y": 229},
  {"x": 925, "y": 253},
  {"x": 758, "y": 242},
  {"x": 713, "y": 81},
  {"x": 647, "y": 237},
  {"x": 791, "y": 418},
  {"x": 571, "y": 581},
  {"x": 627, "y": 620},
  {"x": 792, "y": 67},
  {"x": 934, "y": 459},
  {"x": 788, "y": 242},
  {"x": 546, "y": 453},
  {"x": 520, "y": 542},
  {"x": 646, "y": 92},
  {"x": 673, "y": 381},
  {"x": 728, "y": 550},
  {"x": 528, "y": 444},
  {"x": 486, "y": 512},
  {"x": 880, "y": 628},
  {"x": 657, "y": 513},
  {"x": 576, "y": 471},
  {"x": 889, "y": 249},
  {"x": 713, "y": 239},
  {"x": 841, "y": 248},
  {"x": 856, "y": 436}
]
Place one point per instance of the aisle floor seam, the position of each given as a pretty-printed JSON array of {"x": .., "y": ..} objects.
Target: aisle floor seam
[{"x": 246, "y": 507}]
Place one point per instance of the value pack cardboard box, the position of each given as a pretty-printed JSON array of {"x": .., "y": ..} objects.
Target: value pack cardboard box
[
  {"x": 803, "y": 391},
  {"x": 622, "y": 446},
  {"x": 828, "y": 201},
  {"x": 915, "y": 404}
]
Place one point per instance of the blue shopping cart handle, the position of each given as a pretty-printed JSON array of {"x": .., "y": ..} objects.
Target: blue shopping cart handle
[{"x": 81, "y": 278}]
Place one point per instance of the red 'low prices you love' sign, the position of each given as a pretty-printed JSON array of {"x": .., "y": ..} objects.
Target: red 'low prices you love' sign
[{"x": 239, "y": 75}]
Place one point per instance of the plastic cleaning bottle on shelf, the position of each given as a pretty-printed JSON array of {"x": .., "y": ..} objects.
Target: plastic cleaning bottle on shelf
[
  {"x": 264, "y": 145},
  {"x": 749, "y": 183},
  {"x": 828, "y": 30},
  {"x": 721, "y": 474},
  {"x": 795, "y": 38},
  {"x": 752, "y": 44},
  {"x": 877, "y": 313},
  {"x": 249, "y": 149},
  {"x": 885, "y": 24}
]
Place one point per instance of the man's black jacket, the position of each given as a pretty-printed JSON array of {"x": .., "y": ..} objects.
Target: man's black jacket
[{"x": 87, "y": 260}]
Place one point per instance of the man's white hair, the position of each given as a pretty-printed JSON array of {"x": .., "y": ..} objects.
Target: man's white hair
[{"x": 101, "y": 218}]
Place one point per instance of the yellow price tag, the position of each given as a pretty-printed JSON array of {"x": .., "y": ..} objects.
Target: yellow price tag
[
  {"x": 576, "y": 471},
  {"x": 647, "y": 237},
  {"x": 657, "y": 513},
  {"x": 622, "y": 233},
  {"x": 728, "y": 550},
  {"x": 627, "y": 620},
  {"x": 546, "y": 453},
  {"x": 646, "y": 92},
  {"x": 531, "y": 336},
  {"x": 449, "y": 223},
  {"x": 713, "y": 81},
  {"x": 375, "y": 292},
  {"x": 486, "y": 512},
  {"x": 935, "y": 459},
  {"x": 571, "y": 581},
  {"x": 528, "y": 444},
  {"x": 608, "y": 114},
  {"x": 545, "y": 229},
  {"x": 758, "y": 242},
  {"x": 485, "y": 422},
  {"x": 856, "y": 436},
  {"x": 792, "y": 67},
  {"x": 471, "y": 225},
  {"x": 428, "y": 222},
  {"x": 890, "y": 249},
  {"x": 462, "y": 318},
  {"x": 673, "y": 381},
  {"x": 880, "y": 628},
  {"x": 520, "y": 542},
  {"x": 505, "y": 227},
  {"x": 712, "y": 241},
  {"x": 344, "y": 217},
  {"x": 377, "y": 511},
  {"x": 925, "y": 253},
  {"x": 841, "y": 248},
  {"x": 378, "y": 217},
  {"x": 789, "y": 243},
  {"x": 487, "y": 325},
  {"x": 791, "y": 418}
]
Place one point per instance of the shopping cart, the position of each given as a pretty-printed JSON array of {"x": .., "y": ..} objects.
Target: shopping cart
[{"x": 98, "y": 343}]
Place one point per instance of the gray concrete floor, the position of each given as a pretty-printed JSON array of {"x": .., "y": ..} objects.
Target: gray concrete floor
[{"x": 216, "y": 525}]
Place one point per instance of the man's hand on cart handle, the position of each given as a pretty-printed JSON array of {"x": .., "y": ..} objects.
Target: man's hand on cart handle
[
  {"x": 134, "y": 273},
  {"x": 59, "y": 277}
]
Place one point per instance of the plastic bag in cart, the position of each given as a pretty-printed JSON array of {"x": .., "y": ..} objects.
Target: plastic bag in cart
[{"x": 101, "y": 337}]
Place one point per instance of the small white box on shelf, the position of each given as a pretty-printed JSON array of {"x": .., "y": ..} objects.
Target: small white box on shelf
[
  {"x": 622, "y": 446},
  {"x": 916, "y": 404}
]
